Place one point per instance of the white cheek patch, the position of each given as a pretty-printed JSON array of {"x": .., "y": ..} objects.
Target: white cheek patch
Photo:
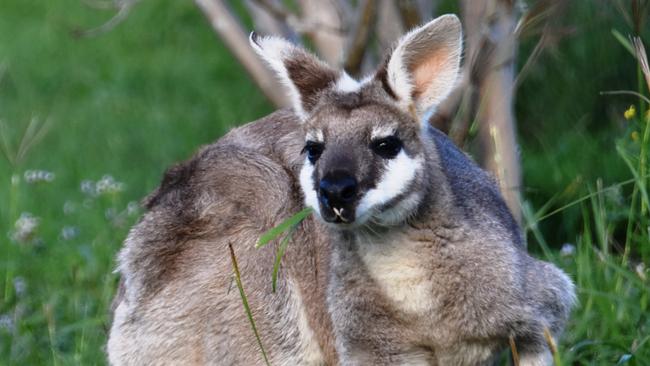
[
  {"x": 307, "y": 185},
  {"x": 400, "y": 172},
  {"x": 400, "y": 211}
]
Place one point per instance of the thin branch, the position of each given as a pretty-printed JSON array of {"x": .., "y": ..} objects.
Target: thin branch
[
  {"x": 625, "y": 92},
  {"x": 274, "y": 8},
  {"x": 266, "y": 20},
  {"x": 330, "y": 45},
  {"x": 292, "y": 20},
  {"x": 124, "y": 8},
  {"x": 228, "y": 28},
  {"x": 359, "y": 38},
  {"x": 389, "y": 25}
]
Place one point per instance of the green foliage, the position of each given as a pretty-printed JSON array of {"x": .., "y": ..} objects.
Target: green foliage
[
  {"x": 87, "y": 125},
  {"x": 127, "y": 104},
  {"x": 567, "y": 129},
  {"x": 244, "y": 300},
  {"x": 285, "y": 225}
]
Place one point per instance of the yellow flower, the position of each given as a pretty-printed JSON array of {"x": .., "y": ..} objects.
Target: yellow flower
[
  {"x": 634, "y": 136},
  {"x": 630, "y": 112}
]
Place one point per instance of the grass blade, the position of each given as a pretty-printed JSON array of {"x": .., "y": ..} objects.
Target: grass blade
[
  {"x": 280, "y": 254},
  {"x": 623, "y": 41},
  {"x": 284, "y": 226},
  {"x": 639, "y": 180},
  {"x": 557, "y": 361},
  {"x": 581, "y": 199},
  {"x": 244, "y": 300},
  {"x": 5, "y": 145},
  {"x": 513, "y": 349}
]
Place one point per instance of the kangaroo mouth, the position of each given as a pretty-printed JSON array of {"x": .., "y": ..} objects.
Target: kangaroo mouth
[{"x": 337, "y": 215}]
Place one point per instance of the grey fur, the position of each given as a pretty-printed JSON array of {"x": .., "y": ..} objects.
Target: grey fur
[{"x": 447, "y": 282}]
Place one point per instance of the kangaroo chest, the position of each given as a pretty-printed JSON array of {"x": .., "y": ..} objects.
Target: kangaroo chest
[{"x": 401, "y": 268}]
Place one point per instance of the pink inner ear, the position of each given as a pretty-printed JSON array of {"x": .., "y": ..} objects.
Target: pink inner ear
[{"x": 426, "y": 70}]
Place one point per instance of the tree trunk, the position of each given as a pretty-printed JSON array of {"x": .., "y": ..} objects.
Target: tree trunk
[
  {"x": 491, "y": 45},
  {"x": 325, "y": 29}
]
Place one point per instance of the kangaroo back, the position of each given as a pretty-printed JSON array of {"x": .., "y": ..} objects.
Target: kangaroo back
[{"x": 178, "y": 303}]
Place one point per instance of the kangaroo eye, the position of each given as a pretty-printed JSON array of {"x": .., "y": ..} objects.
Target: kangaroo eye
[
  {"x": 314, "y": 150},
  {"x": 387, "y": 147}
]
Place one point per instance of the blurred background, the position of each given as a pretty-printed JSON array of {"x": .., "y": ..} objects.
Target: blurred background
[{"x": 99, "y": 97}]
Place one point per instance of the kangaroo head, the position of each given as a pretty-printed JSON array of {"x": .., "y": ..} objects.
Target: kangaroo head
[{"x": 364, "y": 154}]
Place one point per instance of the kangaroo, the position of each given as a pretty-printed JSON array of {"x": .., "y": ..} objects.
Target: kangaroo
[{"x": 411, "y": 256}]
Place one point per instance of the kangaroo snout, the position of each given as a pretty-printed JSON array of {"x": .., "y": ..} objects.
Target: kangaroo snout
[{"x": 337, "y": 193}]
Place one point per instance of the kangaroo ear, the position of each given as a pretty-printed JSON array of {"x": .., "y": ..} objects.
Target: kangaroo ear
[
  {"x": 303, "y": 73},
  {"x": 423, "y": 68}
]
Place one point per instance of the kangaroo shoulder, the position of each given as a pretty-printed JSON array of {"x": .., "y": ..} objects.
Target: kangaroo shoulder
[{"x": 474, "y": 191}]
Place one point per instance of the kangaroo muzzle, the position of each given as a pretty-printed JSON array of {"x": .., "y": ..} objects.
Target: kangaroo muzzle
[{"x": 338, "y": 196}]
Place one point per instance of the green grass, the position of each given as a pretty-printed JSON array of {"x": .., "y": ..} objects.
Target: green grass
[
  {"x": 131, "y": 102},
  {"x": 127, "y": 104}
]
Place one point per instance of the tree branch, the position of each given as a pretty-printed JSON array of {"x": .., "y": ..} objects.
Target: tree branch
[
  {"x": 330, "y": 44},
  {"x": 389, "y": 25},
  {"x": 228, "y": 28},
  {"x": 410, "y": 13},
  {"x": 358, "y": 40},
  {"x": 268, "y": 17}
]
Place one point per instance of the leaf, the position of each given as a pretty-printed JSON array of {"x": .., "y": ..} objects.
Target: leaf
[
  {"x": 280, "y": 254},
  {"x": 624, "y": 42},
  {"x": 284, "y": 226},
  {"x": 244, "y": 300}
]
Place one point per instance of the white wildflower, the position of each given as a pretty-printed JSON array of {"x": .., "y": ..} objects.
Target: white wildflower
[
  {"x": 110, "y": 213},
  {"x": 108, "y": 184},
  {"x": 6, "y": 322},
  {"x": 38, "y": 176},
  {"x": 88, "y": 188},
  {"x": 25, "y": 227},
  {"x": 69, "y": 232},
  {"x": 69, "y": 208},
  {"x": 567, "y": 250},
  {"x": 20, "y": 286},
  {"x": 133, "y": 208}
]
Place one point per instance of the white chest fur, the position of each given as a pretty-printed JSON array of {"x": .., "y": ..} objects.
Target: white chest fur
[{"x": 399, "y": 267}]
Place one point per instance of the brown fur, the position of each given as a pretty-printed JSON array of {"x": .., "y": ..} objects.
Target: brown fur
[{"x": 432, "y": 273}]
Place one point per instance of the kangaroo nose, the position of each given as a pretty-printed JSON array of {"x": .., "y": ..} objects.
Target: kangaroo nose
[{"x": 337, "y": 189}]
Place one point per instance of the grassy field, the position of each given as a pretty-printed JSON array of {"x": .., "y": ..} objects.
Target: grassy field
[{"x": 87, "y": 126}]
